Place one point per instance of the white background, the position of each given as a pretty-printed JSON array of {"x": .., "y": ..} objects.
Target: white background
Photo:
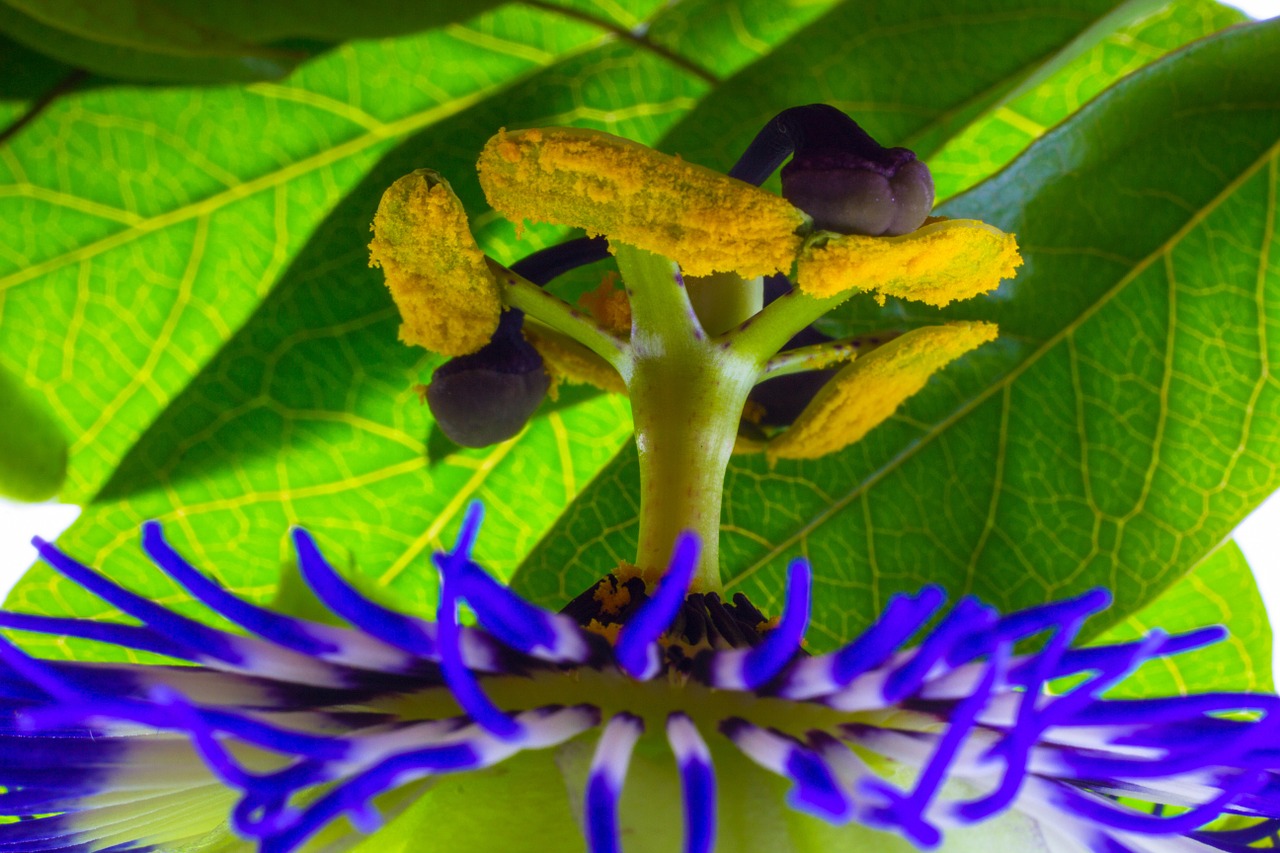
[{"x": 1258, "y": 536}]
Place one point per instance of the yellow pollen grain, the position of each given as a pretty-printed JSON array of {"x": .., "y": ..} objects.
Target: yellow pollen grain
[
  {"x": 612, "y": 598},
  {"x": 768, "y": 624},
  {"x": 867, "y": 392},
  {"x": 943, "y": 261},
  {"x": 566, "y": 360},
  {"x": 701, "y": 219},
  {"x": 449, "y": 301},
  {"x": 609, "y": 632}
]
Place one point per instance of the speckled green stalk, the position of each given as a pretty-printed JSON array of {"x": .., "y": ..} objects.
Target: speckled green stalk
[
  {"x": 688, "y": 371},
  {"x": 687, "y": 393}
]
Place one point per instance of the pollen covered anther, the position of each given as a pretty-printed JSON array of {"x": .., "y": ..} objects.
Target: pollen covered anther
[
  {"x": 941, "y": 262},
  {"x": 699, "y": 218},
  {"x": 868, "y": 391},
  {"x": 449, "y": 301}
]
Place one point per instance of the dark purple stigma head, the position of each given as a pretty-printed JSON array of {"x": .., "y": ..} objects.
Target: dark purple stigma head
[
  {"x": 847, "y": 181},
  {"x": 488, "y": 396}
]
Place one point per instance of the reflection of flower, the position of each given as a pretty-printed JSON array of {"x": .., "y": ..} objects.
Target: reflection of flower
[{"x": 300, "y": 725}]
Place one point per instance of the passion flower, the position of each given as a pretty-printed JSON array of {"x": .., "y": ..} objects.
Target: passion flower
[
  {"x": 617, "y": 715},
  {"x": 649, "y": 714}
]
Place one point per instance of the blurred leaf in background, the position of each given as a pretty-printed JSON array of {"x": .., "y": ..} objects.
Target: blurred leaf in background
[{"x": 185, "y": 299}]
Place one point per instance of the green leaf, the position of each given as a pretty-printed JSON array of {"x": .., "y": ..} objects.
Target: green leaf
[
  {"x": 1219, "y": 591},
  {"x": 194, "y": 56},
  {"x": 1122, "y": 425},
  {"x": 913, "y": 74},
  {"x": 29, "y": 80},
  {"x": 1002, "y": 133},
  {"x": 33, "y": 451},
  {"x": 192, "y": 41},
  {"x": 242, "y": 413},
  {"x": 244, "y": 364}
]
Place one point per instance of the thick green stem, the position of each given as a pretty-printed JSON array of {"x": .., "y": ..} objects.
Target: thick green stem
[{"x": 687, "y": 392}]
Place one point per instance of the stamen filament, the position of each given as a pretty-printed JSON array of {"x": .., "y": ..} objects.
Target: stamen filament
[
  {"x": 814, "y": 357},
  {"x": 550, "y": 309},
  {"x": 765, "y": 334}
]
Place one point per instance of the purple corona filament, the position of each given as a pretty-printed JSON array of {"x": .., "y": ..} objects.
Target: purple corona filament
[
  {"x": 697, "y": 781},
  {"x": 782, "y": 643},
  {"x": 968, "y": 618},
  {"x": 604, "y": 783},
  {"x": 457, "y": 675},
  {"x": 907, "y": 811},
  {"x": 637, "y": 650},
  {"x": 280, "y": 630},
  {"x": 161, "y": 620},
  {"x": 342, "y": 599},
  {"x": 87, "y": 748},
  {"x": 903, "y": 616},
  {"x": 815, "y": 788}
]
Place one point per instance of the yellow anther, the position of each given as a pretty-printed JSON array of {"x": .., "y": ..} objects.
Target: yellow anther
[
  {"x": 566, "y": 360},
  {"x": 936, "y": 264},
  {"x": 449, "y": 301},
  {"x": 867, "y": 392},
  {"x": 701, "y": 219}
]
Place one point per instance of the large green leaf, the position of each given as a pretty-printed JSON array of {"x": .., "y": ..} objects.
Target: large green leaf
[
  {"x": 27, "y": 80},
  {"x": 1005, "y": 131},
  {"x": 1219, "y": 591},
  {"x": 1123, "y": 424},
  {"x": 189, "y": 40},
  {"x": 33, "y": 451},
  {"x": 889, "y": 66},
  {"x": 244, "y": 368}
]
